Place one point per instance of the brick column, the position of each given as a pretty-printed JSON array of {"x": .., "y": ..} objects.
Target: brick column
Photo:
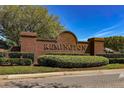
[
  {"x": 28, "y": 42},
  {"x": 96, "y": 45}
]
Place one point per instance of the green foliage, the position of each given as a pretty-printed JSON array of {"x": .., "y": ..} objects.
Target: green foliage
[
  {"x": 15, "y": 61},
  {"x": 3, "y": 44},
  {"x": 121, "y": 50},
  {"x": 112, "y": 55},
  {"x": 115, "y": 43},
  {"x": 2, "y": 54},
  {"x": 10, "y": 43},
  {"x": 26, "y": 55},
  {"x": 65, "y": 61},
  {"x": 15, "y": 19},
  {"x": 21, "y": 55},
  {"x": 7, "y": 43},
  {"x": 116, "y": 60}
]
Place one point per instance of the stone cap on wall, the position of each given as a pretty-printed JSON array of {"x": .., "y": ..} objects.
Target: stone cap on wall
[
  {"x": 34, "y": 34},
  {"x": 28, "y": 34},
  {"x": 96, "y": 39}
]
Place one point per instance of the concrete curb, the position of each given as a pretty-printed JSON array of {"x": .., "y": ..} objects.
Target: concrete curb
[{"x": 43, "y": 75}]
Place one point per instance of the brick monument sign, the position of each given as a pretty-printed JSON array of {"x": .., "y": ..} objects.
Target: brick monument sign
[{"x": 65, "y": 43}]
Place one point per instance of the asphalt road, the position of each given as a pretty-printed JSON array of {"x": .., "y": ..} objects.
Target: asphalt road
[{"x": 74, "y": 81}]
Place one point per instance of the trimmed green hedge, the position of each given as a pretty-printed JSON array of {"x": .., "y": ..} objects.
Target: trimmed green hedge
[
  {"x": 21, "y": 55},
  {"x": 2, "y": 54},
  {"x": 18, "y": 55},
  {"x": 65, "y": 61},
  {"x": 116, "y": 60},
  {"x": 112, "y": 55},
  {"x": 15, "y": 61}
]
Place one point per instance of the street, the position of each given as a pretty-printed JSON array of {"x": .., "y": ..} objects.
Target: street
[{"x": 68, "y": 81}]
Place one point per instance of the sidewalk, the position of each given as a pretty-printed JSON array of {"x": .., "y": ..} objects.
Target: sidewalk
[{"x": 43, "y": 75}]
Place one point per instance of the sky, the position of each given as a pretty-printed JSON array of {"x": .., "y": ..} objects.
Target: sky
[{"x": 90, "y": 21}]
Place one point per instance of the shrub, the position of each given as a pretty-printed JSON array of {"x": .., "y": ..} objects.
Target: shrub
[
  {"x": 21, "y": 55},
  {"x": 121, "y": 50},
  {"x": 3, "y": 61},
  {"x": 115, "y": 42},
  {"x": 2, "y": 54},
  {"x": 15, "y": 61},
  {"x": 65, "y": 61},
  {"x": 116, "y": 60},
  {"x": 119, "y": 55}
]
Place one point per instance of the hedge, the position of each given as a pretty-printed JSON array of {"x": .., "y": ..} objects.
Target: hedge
[
  {"x": 116, "y": 60},
  {"x": 15, "y": 61},
  {"x": 21, "y": 55},
  {"x": 2, "y": 54},
  {"x": 112, "y": 55},
  {"x": 18, "y": 55},
  {"x": 65, "y": 61}
]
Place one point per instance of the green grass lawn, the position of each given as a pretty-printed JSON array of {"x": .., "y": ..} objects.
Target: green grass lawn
[{"x": 40, "y": 69}]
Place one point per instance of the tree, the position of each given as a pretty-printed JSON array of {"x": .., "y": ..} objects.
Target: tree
[
  {"x": 15, "y": 19},
  {"x": 115, "y": 42}
]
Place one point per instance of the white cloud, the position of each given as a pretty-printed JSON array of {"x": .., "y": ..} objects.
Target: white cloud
[
  {"x": 117, "y": 29},
  {"x": 103, "y": 34}
]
